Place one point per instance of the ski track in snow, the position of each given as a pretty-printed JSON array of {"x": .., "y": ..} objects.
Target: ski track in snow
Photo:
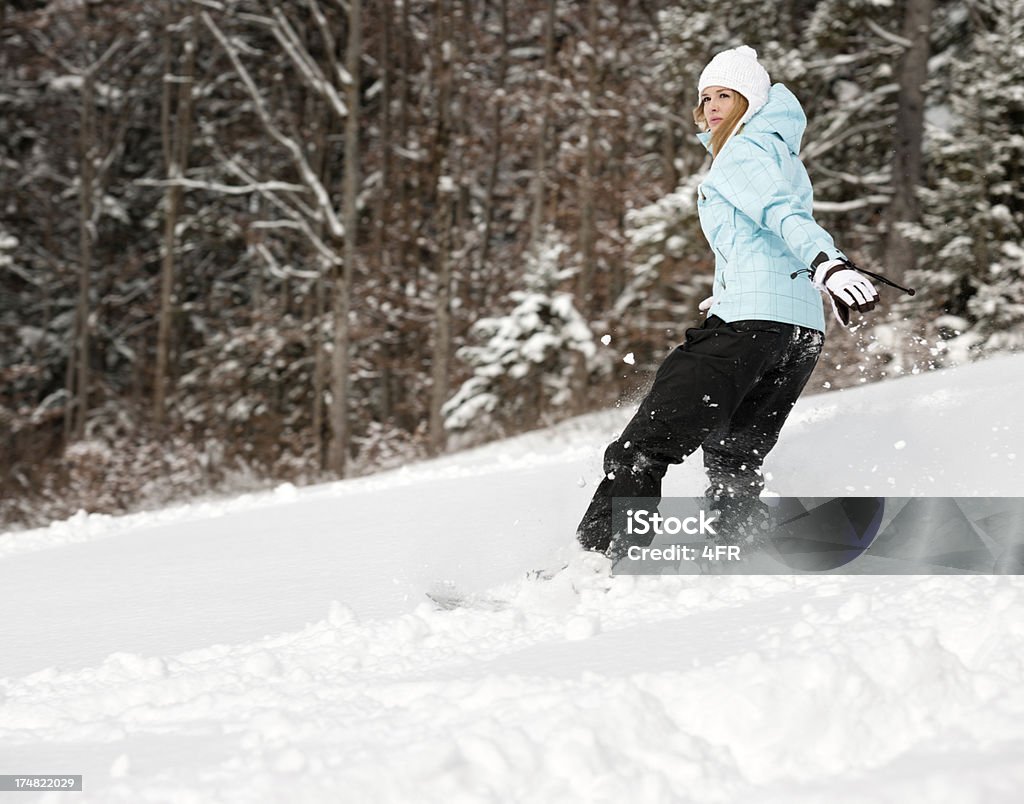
[{"x": 686, "y": 688}]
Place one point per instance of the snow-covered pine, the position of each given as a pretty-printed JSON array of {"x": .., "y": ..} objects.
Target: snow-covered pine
[
  {"x": 523, "y": 362},
  {"x": 668, "y": 271}
]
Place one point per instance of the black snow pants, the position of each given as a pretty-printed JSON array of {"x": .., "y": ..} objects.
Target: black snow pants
[{"x": 728, "y": 388}]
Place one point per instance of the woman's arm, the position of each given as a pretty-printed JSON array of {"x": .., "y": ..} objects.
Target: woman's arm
[{"x": 747, "y": 175}]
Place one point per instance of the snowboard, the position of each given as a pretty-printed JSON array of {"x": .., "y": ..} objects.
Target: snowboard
[{"x": 446, "y": 596}]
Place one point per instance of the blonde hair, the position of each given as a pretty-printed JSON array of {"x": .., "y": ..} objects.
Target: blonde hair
[{"x": 729, "y": 122}]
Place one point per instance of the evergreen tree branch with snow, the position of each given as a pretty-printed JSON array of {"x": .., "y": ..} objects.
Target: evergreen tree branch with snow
[{"x": 524, "y": 362}]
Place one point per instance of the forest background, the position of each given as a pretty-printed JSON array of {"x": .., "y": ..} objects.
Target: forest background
[{"x": 245, "y": 242}]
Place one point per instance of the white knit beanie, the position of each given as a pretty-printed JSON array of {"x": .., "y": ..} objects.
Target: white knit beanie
[{"x": 740, "y": 70}]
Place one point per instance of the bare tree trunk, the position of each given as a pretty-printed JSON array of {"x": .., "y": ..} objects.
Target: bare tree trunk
[
  {"x": 340, "y": 434},
  {"x": 540, "y": 151},
  {"x": 585, "y": 278},
  {"x": 462, "y": 134},
  {"x": 170, "y": 220},
  {"x": 319, "y": 374},
  {"x": 619, "y": 177},
  {"x": 381, "y": 221},
  {"x": 319, "y": 341},
  {"x": 403, "y": 137},
  {"x": 907, "y": 159},
  {"x": 668, "y": 153},
  {"x": 442, "y": 331},
  {"x": 496, "y": 153},
  {"x": 176, "y": 147},
  {"x": 318, "y": 344},
  {"x": 87, "y": 142},
  {"x": 443, "y": 191},
  {"x": 410, "y": 274},
  {"x": 79, "y": 403},
  {"x": 69, "y": 384},
  {"x": 382, "y": 218}
]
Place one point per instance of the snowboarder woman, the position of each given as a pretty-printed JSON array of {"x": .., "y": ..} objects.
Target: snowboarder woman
[{"x": 731, "y": 385}]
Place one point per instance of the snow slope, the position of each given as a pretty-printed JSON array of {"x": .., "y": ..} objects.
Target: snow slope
[{"x": 279, "y": 645}]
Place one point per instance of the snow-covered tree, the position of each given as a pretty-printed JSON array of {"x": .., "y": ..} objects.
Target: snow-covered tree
[
  {"x": 670, "y": 269},
  {"x": 525, "y": 362}
]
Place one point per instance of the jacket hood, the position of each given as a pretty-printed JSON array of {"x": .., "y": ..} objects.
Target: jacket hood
[{"x": 782, "y": 115}]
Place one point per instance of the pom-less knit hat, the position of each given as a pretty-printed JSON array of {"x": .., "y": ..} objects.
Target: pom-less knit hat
[{"x": 740, "y": 70}]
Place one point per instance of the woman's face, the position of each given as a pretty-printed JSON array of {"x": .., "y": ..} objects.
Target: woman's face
[{"x": 717, "y": 103}]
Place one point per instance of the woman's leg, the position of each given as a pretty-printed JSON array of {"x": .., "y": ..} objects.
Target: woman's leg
[
  {"x": 734, "y": 454},
  {"x": 696, "y": 391}
]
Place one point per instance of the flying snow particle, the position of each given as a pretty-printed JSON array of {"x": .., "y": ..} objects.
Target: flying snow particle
[
  {"x": 629, "y": 359},
  {"x": 291, "y": 760},
  {"x": 606, "y": 339},
  {"x": 900, "y": 444},
  {"x": 581, "y": 627},
  {"x": 120, "y": 767}
]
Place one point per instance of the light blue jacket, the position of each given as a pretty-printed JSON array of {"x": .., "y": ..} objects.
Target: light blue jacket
[{"x": 755, "y": 208}]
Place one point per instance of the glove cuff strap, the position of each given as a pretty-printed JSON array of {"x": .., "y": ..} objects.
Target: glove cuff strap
[{"x": 825, "y": 270}]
